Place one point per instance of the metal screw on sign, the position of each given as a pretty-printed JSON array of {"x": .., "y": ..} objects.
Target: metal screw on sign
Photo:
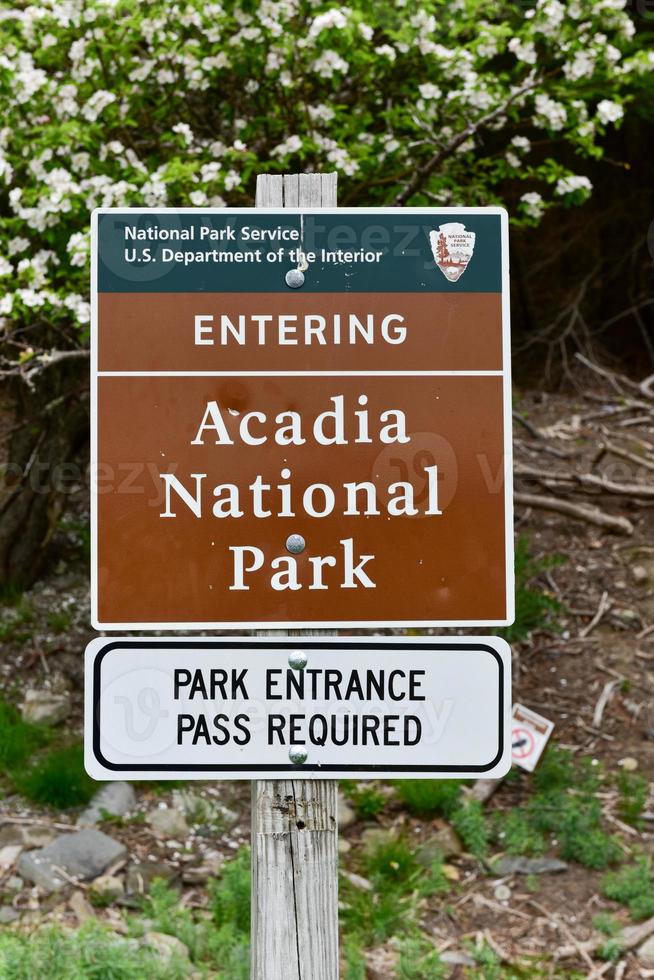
[
  {"x": 296, "y": 544},
  {"x": 294, "y": 278},
  {"x": 297, "y": 756},
  {"x": 297, "y": 659}
]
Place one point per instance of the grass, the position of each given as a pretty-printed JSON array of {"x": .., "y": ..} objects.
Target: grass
[
  {"x": 89, "y": 952},
  {"x": 399, "y": 886},
  {"x": 535, "y": 608},
  {"x": 59, "y": 620},
  {"x": 17, "y": 616},
  {"x": 633, "y": 789},
  {"x": 219, "y": 944},
  {"x": 563, "y": 808},
  {"x": 633, "y": 886},
  {"x": 19, "y": 739},
  {"x": 427, "y": 797},
  {"x": 367, "y": 801},
  {"x": 418, "y": 959},
  {"x": 230, "y": 895},
  {"x": 57, "y": 779}
]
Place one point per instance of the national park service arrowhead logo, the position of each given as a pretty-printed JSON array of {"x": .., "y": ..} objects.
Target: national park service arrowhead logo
[{"x": 452, "y": 247}]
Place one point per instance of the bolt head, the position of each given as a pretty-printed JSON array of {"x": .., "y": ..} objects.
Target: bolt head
[
  {"x": 297, "y": 659},
  {"x": 297, "y": 756},
  {"x": 294, "y": 278},
  {"x": 296, "y": 544}
]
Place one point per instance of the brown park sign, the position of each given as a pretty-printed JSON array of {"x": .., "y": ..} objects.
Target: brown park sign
[{"x": 332, "y": 455}]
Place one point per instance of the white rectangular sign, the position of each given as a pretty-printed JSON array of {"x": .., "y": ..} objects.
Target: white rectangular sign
[
  {"x": 224, "y": 708},
  {"x": 530, "y": 733}
]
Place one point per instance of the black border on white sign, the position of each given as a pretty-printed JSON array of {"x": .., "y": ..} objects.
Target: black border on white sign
[{"x": 260, "y": 646}]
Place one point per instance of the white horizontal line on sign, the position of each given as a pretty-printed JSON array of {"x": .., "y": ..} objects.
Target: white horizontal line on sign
[
  {"x": 299, "y": 374},
  {"x": 241, "y": 708}
]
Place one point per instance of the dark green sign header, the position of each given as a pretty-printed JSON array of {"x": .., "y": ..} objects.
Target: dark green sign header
[{"x": 404, "y": 250}]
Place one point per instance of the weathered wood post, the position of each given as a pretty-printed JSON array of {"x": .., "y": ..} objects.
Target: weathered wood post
[{"x": 294, "y": 821}]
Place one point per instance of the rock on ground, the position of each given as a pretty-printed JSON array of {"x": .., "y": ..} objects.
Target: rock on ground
[
  {"x": 528, "y": 866},
  {"x": 346, "y": 815},
  {"x": 81, "y": 855},
  {"x": 46, "y": 707},
  {"x": 114, "y": 798},
  {"x": 646, "y": 952},
  {"x": 165, "y": 946},
  {"x": 107, "y": 888},
  {"x": 168, "y": 822},
  {"x": 139, "y": 877},
  {"x": 26, "y": 836}
]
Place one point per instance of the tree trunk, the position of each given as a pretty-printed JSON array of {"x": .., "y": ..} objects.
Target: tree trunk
[{"x": 45, "y": 457}]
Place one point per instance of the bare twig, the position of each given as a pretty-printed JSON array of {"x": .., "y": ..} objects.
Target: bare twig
[
  {"x": 609, "y": 447},
  {"x": 423, "y": 173},
  {"x": 604, "y": 606},
  {"x": 592, "y": 515},
  {"x": 602, "y": 702},
  {"x": 646, "y": 387}
]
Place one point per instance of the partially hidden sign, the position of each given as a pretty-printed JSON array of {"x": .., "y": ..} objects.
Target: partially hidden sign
[
  {"x": 328, "y": 707},
  {"x": 336, "y": 454}
]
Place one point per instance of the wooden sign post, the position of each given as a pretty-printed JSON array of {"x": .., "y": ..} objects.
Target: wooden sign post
[{"x": 295, "y": 821}]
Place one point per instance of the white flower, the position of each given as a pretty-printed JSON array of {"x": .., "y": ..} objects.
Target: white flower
[
  {"x": 79, "y": 247},
  {"x": 198, "y": 199},
  {"x": 429, "y": 91},
  {"x": 322, "y": 113},
  {"x": 488, "y": 46},
  {"x": 572, "y": 183},
  {"x": 554, "y": 12},
  {"x": 328, "y": 63},
  {"x": 209, "y": 172},
  {"x": 142, "y": 70},
  {"x": 6, "y": 303},
  {"x": 97, "y": 104},
  {"x": 290, "y": 145},
  {"x": 80, "y": 161},
  {"x": 609, "y": 112},
  {"x": 513, "y": 160},
  {"x": 232, "y": 180},
  {"x": 523, "y": 50},
  {"x": 30, "y": 297},
  {"x": 521, "y": 143},
  {"x": 17, "y": 245},
  {"x": 334, "y": 18},
  {"x": 581, "y": 66},
  {"x": 154, "y": 191},
  {"x": 553, "y": 113},
  {"x": 533, "y": 204},
  {"x": 6, "y": 169},
  {"x": 78, "y": 307},
  {"x": 366, "y": 31},
  {"x": 6, "y": 268},
  {"x": 184, "y": 131},
  {"x": 386, "y": 51},
  {"x": 219, "y": 60}
]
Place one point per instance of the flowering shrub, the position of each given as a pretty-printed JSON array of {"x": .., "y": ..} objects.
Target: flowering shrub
[{"x": 110, "y": 102}]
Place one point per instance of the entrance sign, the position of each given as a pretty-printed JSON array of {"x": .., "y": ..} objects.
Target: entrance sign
[
  {"x": 530, "y": 734},
  {"x": 243, "y": 708},
  {"x": 332, "y": 455}
]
